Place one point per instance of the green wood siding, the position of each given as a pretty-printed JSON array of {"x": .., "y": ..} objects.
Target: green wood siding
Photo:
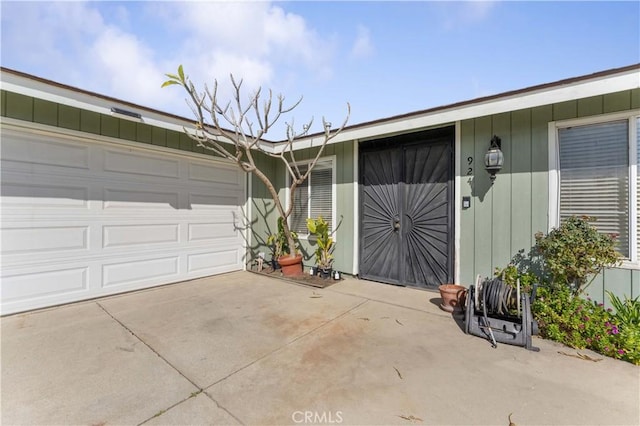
[
  {"x": 264, "y": 217},
  {"x": 40, "y": 111},
  {"x": 45, "y": 112},
  {"x": 503, "y": 218}
]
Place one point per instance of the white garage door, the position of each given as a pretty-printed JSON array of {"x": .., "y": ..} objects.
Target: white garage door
[{"x": 87, "y": 218}]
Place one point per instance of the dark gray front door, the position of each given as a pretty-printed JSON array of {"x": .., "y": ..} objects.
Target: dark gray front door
[{"x": 406, "y": 188}]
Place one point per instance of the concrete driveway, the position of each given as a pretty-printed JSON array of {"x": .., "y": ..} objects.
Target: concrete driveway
[{"x": 246, "y": 349}]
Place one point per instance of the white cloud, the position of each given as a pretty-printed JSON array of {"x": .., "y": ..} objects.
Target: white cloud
[
  {"x": 249, "y": 39},
  {"x": 363, "y": 46},
  {"x": 460, "y": 14},
  {"x": 110, "y": 49},
  {"x": 128, "y": 68}
]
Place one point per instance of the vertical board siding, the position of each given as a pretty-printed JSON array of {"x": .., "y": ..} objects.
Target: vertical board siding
[
  {"x": 45, "y": 112},
  {"x": 521, "y": 208},
  {"x": 503, "y": 218},
  {"x": 483, "y": 200},
  {"x": 617, "y": 281},
  {"x": 264, "y": 216},
  {"x": 501, "y": 250},
  {"x": 89, "y": 122},
  {"x": 615, "y": 102},
  {"x": 68, "y": 117},
  {"x": 18, "y": 106},
  {"x": 471, "y": 166},
  {"x": 635, "y": 284},
  {"x": 49, "y": 113}
]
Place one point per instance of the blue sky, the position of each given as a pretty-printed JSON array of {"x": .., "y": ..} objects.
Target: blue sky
[{"x": 385, "y": 58}]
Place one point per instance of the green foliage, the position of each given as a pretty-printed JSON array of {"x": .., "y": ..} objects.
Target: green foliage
[
  {"x": 278, "y": 242},
  {"x": 319, "y": 228},
  {"x": 582, "y": 323},
  {"x": 562, "y": 263},
  {"x": 627, "y": 312},
  {"x": 575, "y": 251},
  {"x": 175, "y": 79},
  {"x": 511, "y": 274}
]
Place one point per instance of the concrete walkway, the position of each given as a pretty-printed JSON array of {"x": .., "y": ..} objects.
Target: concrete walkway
[{"x": 246, "y": 349}]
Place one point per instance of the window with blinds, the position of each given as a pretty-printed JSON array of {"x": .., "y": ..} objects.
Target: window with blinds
[
  {"x": 314, "y": 197},
  {"x": 595, "y": 175}
]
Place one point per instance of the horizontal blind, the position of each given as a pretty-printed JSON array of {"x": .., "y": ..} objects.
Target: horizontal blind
[
  {"x": 314, "y": 197},
  {"x": 594, "y": 177},
  {"x": 321, "y": 194}
]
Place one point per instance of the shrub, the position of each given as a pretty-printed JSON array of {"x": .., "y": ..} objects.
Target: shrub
[
  {"x": 582, "y": 323},
  {"x": 575, "y": 251},
  {"x": 511, "y": 274}
]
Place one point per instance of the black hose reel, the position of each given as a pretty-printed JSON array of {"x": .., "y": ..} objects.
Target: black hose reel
[{"x": 500, "y": 313}]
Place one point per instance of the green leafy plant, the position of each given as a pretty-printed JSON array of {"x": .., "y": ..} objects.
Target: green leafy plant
[
  {"x": 511, "y": 274},
  {"x": 319, "y": 228},
  {"x": 575, "y": 251},
  {"x": 279, "y": 243},
  {"x": 627, "y": 311},
  {"x": 583, "y": 323}
]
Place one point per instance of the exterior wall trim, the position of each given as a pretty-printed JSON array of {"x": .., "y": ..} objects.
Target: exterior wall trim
[
  {"x": 457, "y": 199},
  {"x": 356, "y": 207},
  {"x": 554, "y": 169}
]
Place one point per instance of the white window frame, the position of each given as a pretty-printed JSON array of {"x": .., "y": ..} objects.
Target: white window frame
[
  {"x": 554, "y": 174},
  {"x": 327, "y": 159}
]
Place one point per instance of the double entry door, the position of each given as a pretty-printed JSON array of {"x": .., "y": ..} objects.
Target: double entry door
[{"x": 406, "y": 209}]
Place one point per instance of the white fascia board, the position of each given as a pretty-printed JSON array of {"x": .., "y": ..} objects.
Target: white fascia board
[{"x": 571, "y": 91}]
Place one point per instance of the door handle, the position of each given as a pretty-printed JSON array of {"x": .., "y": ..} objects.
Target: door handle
[{"x": 396, "y": 224}]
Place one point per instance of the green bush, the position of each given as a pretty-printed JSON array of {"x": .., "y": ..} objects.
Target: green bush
[
  {"x": 511, "y": 274},
  {"x": 582, "y": 323},
  {"x": 575, "y": 251}
]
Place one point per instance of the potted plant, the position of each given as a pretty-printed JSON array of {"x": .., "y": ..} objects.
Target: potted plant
[
  {"x": 281, "y": 251},
  {"x": 319, "y": 230}
]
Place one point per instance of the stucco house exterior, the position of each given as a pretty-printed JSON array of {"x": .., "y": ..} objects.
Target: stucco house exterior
[{"x": 101, "y": 196}]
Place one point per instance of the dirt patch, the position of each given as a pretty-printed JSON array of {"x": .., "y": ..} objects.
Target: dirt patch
[{"x": 304, "y": 279}]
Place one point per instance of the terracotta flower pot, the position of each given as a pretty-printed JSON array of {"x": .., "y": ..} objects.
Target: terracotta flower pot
[
  {"x": 291, "y": 266},
  {"x": 453, "y": 297}
]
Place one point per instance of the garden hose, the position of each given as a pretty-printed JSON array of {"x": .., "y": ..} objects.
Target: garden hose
[{"x": 498, "y": 297}]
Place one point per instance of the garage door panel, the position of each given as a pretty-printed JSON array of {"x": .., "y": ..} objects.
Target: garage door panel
[
  {"x": 212, "y": 262},
  {"x": 32, "y": 150},
  {"x": 211, "y": 231},
  {"x": 133, "y": 271},
  {"x": 126, "y": 162},
  {"x": 121, "y": 198},
  {"x": 135, "y": 235},
  {"x": 212, "y": 201},
  {"x": 225, "y": 175},
  {"x": 39, "y": 283},
  {"x": 42, "y": 239},
  {"x": 29, "y": 193}
]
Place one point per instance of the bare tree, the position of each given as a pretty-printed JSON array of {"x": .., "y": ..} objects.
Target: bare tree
[{"x": 248, "y": 122}]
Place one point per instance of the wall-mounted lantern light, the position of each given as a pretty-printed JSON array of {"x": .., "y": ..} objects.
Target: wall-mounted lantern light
[{"x": 494, "y": 159}]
